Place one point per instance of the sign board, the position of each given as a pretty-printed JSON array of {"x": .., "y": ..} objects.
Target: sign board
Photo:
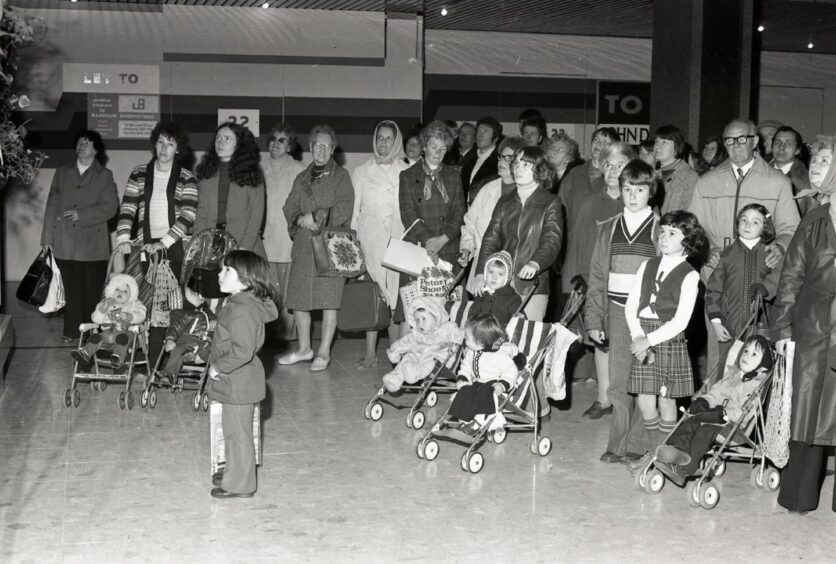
[
  {"x": 625, "y": 106},
  {"x": 123, "y": 116},
  {"x": 247, "y": 118},
  {"x": 111, "y": 78}
]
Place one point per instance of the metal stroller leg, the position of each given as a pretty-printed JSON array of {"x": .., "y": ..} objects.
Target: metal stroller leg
[{"x": 373, "y": 409}]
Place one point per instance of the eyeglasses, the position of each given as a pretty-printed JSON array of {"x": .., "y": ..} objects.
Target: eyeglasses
[
  {"x": 740, "y": 139},
  {"x": 278, "y": 140},
  {"x": 505, "y": 158},
  {"x": 321, "y": 147}
]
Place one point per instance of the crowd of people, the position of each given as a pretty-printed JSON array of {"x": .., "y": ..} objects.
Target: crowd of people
[{"x": 656, "y": 230}]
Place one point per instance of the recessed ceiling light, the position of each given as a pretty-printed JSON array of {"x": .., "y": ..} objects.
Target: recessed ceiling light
[
  {"x": 761, "y": 28},
  {"x": 443, "y": 11},
  {"x": 266, "y": 5},
  {"x": 810, "y": 45}
]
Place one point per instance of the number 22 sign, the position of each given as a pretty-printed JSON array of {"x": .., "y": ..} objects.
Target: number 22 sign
[{"x": 247, "y": 118}]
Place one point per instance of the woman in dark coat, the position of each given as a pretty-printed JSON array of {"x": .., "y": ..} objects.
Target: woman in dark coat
[
  {"x": 82, "y": 199},
  {"x": 431, "y": 201},
  {"x": 806, "y": 308},
  {"x": 322, "y": 197}
]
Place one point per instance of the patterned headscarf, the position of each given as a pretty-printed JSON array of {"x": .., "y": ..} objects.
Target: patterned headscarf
[
  {"x": 826, "y": 191},
  {"x": 397, "y": 149},
  {"x": 433, "y": 180}
]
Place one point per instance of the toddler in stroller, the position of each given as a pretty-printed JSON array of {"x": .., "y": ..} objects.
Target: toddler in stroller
[
  {"x": 680, "y": 455},
  {"x": 432, "y": 338},
  {"x": 115, "y": 313},
  {"x": 188, "y": 337}
]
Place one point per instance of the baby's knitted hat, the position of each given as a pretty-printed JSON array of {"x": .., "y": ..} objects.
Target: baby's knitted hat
[{"x": 503, "y": 258}]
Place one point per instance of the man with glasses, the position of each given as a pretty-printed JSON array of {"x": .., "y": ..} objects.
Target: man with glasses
[
  {"x": 744, "y": 178},
  {"x": 786, "y": 147}
]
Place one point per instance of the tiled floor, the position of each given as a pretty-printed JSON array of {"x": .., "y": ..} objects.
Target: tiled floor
[{"x": 98, "y": 484}]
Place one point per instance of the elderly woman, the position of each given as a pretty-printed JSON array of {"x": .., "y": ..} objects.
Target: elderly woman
[
  {"x": 678, "y": 178},
  {"x": 478, "y": 216},
  {"x": 806, "y": 314},
  {"x": 321, "y": 198},
  {"x": 82, "y": 199},
  {"x": 280, "y": 170},
  {"x": 230, "y": 194},
  {"x": 582, "y": 231},
  {"x": 528, "y": 223},
  {"x": 821, "y": 173},
  {"x": 562, "y": 152},
  {"x": 714, "y": 151},
  {"x": 377, "y": 217},
  {"x": 431, "y": 201}
]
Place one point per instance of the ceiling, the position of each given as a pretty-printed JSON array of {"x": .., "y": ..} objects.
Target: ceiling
[{"x": 789, "y": 24}]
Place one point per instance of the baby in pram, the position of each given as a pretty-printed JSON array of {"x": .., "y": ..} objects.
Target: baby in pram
[
  {"x": 681, "y": 454},
  {"x": 189, "y": 336},
  {"x": 115, "y": 313},
  {"x": 432, "y": 338}
]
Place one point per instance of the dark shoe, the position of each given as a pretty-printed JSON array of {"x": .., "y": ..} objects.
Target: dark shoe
[
  {"x": 636, "y": 463},
  {"x": 631, "y": 457},
  {"x": 674, "y": 472},
  {"x": 81, "y": 356},
  {"x": 217, "y": 479},
  {"x": 116, "y": 361},
  {"x": 610, "y": 457},
  {"x": 220, "y": 493},
  {"x": 595, "y": 411}
]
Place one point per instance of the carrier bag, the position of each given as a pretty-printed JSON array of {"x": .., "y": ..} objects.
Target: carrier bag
[
  {"x": 34, "y": 288},
  {"x": 55, "y": 297},
  {"x": 776, "y": 443},
  {"x": 406, "y": 257},
  {"x": 364, "y": 307},
  {"x": 337, "y": 254}
]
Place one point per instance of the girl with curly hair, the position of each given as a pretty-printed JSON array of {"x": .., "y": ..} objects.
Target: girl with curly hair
[
  {"x": 231, "y": 193},
  {"x": 658, "y": 309}
]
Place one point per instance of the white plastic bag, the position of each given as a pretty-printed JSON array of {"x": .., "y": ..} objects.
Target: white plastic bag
[{"x": 55, "y": 297}]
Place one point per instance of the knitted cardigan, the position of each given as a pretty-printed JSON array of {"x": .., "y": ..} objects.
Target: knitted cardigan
[{"x": 182, "y": 205}]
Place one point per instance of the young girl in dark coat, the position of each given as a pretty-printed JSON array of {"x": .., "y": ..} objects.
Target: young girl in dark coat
[
  {"x": 498, "y": 298},
  {"x": 237, "y": 375},
  {"x": 741, "y": 272},
  {"x": 658, "y": 309}
]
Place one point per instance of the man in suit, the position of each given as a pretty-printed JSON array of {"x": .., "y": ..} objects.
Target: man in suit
[
  {"x": 482, "y": 163},
  {"x": 786, "y": 147},
  {"x": 462, "y": 146}
]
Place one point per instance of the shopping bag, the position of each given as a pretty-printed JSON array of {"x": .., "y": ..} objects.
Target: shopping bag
[
  {"x": 364, "y": 307},
  {"x": 337, "y": 254},
  {"x": 406, "y": 257},
  {"x": 55, "y": 298},
  {"x": 34, "y": 288},
  {"x": 166, "y": 293},
  {"x": 777, "y": 430},
  {"x": 135, "y": 268}
]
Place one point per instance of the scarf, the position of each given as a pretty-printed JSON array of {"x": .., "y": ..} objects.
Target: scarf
[
  {"x": 433, "y": 180},
  {"x": 825, "y": 192},
  {"x": 397, "y": 149}
]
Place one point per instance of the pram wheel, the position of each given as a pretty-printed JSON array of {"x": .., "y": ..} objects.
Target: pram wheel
[
  {"x": 709, "y": 496},
  {"x": 432, "y": 399},
  {"x": 204, "y": 402},
  {"x": 102, "y": 386},
  {"x": 541, "y": 446},
  {"x": 654, "y": 481},
  {"x": 719, "y": 468},
  {"x": 376, "y": 411},
  {"x": 417, "y": 420},
  {"x": 196, "y": 401},
  {"x": 499, "y": 435},
  {"x": 76, "y": 397},
  {"x": 693, "y": 494},
  {"x": 120, "y": 400},
  {"x": 130, "y": 400},
  {"x": 756, "y": 477},
  {"x": 771, "y": 479},
  {"x": 68, "y": 397},
  {"x": 143, "y": 398},
  {"x": 152, "y": 399},
  {"x": 475, "y": 462},
  {"x": 431, "y": 450}
]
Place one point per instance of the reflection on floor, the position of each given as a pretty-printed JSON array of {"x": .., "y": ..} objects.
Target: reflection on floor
[{"x": 100, "y": 484}]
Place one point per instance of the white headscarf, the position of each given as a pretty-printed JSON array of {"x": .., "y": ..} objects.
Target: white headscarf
[{"x": 397, "y": 149}]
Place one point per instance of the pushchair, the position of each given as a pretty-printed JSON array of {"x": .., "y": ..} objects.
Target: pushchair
[
  {"x": 519, "y": 408},
  {"x": 736, "y": 440},
  {"x": 100, "y": 371}
]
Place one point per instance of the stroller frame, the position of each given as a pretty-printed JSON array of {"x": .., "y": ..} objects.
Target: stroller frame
[{"x": 192, "y": 376}]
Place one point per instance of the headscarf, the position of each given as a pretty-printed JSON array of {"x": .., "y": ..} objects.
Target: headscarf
[
  {"x": 828, "y": 185},
  {"x": 433, "y": 180},
  {"x": 503, "y": 258},
  {"x": 397, "y": 149}
]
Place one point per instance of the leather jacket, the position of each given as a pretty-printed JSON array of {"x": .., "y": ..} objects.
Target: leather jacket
[{"x": 530, "y": 232}]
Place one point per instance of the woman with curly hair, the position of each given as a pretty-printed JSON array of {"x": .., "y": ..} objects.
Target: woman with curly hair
[
  {"x": 321, "y": 198},
  {"x": 714, "y": 151},
  {"x": 231, "y": 193}
]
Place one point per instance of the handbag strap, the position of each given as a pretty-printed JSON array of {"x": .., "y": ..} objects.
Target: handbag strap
[{"x": 414, "y": 223}]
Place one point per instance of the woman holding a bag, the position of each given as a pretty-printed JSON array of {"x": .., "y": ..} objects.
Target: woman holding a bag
[
  {"x": 377, "y": 218},
  {"x": 82, "y": 199},
  {"x": 806, "y": 314},
  {"x": 321, "y": 198},
  {"x": 157, "y": 212}
]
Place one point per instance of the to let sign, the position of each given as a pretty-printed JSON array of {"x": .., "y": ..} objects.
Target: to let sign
[{"x": 625, "y": 106}]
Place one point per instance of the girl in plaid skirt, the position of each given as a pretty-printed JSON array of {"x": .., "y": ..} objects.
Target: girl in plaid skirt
[{"x": 658, "y": 309}]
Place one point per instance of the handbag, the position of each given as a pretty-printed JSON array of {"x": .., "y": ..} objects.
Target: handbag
[
  {"x": 364, "y": 307},
  {"x": 406, "y": 257},
  {"x": 337, "y": 254},
  {"x": 777, "y": 429},
  {"x": 55, "y": 298},
  {"x": 34, "y": 288},
  {"x": 135, "y": 269}
]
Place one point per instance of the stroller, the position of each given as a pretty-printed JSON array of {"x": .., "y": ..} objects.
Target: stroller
[
  {"x": 740, "y": 440},
  {"x": 519, "y": 408},
  {"x": 101, "y": 371}
]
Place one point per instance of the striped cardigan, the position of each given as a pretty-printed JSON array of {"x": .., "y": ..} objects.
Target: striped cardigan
[{"x": 182, "y": 205}]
